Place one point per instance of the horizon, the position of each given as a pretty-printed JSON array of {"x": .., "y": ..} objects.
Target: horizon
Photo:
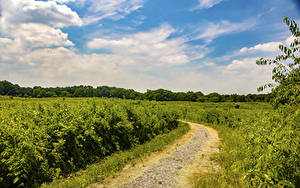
[{"x": 197, "y": 45}]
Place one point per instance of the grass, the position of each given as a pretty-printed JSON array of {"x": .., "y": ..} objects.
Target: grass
[
  {"x": 224, "y": 177},
  {"x": 111, "y": 165},
  {"x": 260, "y": 145}
]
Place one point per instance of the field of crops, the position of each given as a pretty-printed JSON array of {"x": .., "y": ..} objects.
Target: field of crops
[{"x": 42, "y": 139}]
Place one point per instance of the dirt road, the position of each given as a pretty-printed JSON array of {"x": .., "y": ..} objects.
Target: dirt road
[{"x": 174, "y": 166}]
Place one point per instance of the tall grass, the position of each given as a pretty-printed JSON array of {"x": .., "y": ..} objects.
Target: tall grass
[{"x": 260, "y": 146}]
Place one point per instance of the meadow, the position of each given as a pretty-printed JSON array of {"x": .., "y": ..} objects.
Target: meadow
[{"x": 47, "y": 139}]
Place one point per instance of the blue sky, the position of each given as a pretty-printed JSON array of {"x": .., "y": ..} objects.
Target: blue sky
[{"x": 180, "y": 45}]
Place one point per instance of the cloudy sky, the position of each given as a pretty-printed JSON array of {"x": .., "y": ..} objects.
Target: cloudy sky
[{"x": 180, "y": 45}]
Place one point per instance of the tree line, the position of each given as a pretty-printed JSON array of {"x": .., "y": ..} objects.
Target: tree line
[{"x": 10, "y": 89}]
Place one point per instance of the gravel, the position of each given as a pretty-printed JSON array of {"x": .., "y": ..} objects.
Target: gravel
[{"x": 165, "y": 173}]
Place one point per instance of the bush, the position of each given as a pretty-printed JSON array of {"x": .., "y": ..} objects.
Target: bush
[{"x": 41, "y": 139}]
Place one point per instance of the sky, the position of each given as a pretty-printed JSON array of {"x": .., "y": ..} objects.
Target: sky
[{"x": 179, "y": 45}]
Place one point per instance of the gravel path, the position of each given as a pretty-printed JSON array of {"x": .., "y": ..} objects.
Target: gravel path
[{"x": 165, "y": 173}]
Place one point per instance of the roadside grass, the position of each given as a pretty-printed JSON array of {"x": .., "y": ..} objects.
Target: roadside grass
[
  {"x": 260, "y": 146},
  {"x": 231, "y": 124},
  {"x": 225, "y": 176},
  {"x": 112, "y": 164}
]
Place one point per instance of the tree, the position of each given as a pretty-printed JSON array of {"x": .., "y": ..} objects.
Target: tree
[
  {"x": 286, "y": 73},
  {"x": 7, "y": 88},
  {"x": 79, "y": 92},
  {"x": 214, "y": 97},
  {"x": 50, "y": 94},
  {"x": 65, "y": 94}
]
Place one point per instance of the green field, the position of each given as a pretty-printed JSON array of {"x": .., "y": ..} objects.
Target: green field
[{"x": 46, "y": 139}]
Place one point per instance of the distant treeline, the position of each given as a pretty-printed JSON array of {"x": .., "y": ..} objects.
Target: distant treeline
[{"x": 10, "y": 89}]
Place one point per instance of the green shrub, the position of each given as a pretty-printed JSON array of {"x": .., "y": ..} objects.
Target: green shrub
[{"x": 44, "y": 139}]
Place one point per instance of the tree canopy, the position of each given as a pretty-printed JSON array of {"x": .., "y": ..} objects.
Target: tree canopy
[
  {"x": 10, "y": 89},
  {"x": 286, "y": 72}
]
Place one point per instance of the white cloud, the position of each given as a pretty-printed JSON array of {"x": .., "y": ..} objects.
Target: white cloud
[
  {"x": 269, "y": 47},
  {"x": 121, "y": 6},
  {"x": 110, "y": 9},
  {"x": 10, "y": 49},
  {"x": 29, "y": 24},
  {"x": 39, "y": 35},
  {"x": 244, "y": 64},
  {"x": 246, "y": 71},
  {"x": 209, "y": 64},
  {"x": 64, "y": 1},
  {"x": 247, "y": 68},
  {"x": 63, "y": 67},
  {"x": 29, "y": 11},
  {"x": 266, "y": 47},
  {"x": 243, "y": 71},
  {"x": 106, "y": 43},
  {"x": 153, "y": 47},
  {"x": 206, "y": 4},
  {"x": 214, "y": 30}
]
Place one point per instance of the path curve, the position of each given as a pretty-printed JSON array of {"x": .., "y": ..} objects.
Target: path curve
[{"x": 174, "y": 166}]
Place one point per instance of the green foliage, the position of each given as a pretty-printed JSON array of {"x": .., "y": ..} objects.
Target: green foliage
[
  {"x": 41, "y": 139},
  {"x": 7, "y": 88},
  {"x": 116, "y": 162},
  {"x": 273, "y": 142},
  {"x": 286, "y": 71},
  {"x": 260, "y": 146}
]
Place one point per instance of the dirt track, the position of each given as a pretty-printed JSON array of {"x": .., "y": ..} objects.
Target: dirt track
[{"x": 175, "y": 165}]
